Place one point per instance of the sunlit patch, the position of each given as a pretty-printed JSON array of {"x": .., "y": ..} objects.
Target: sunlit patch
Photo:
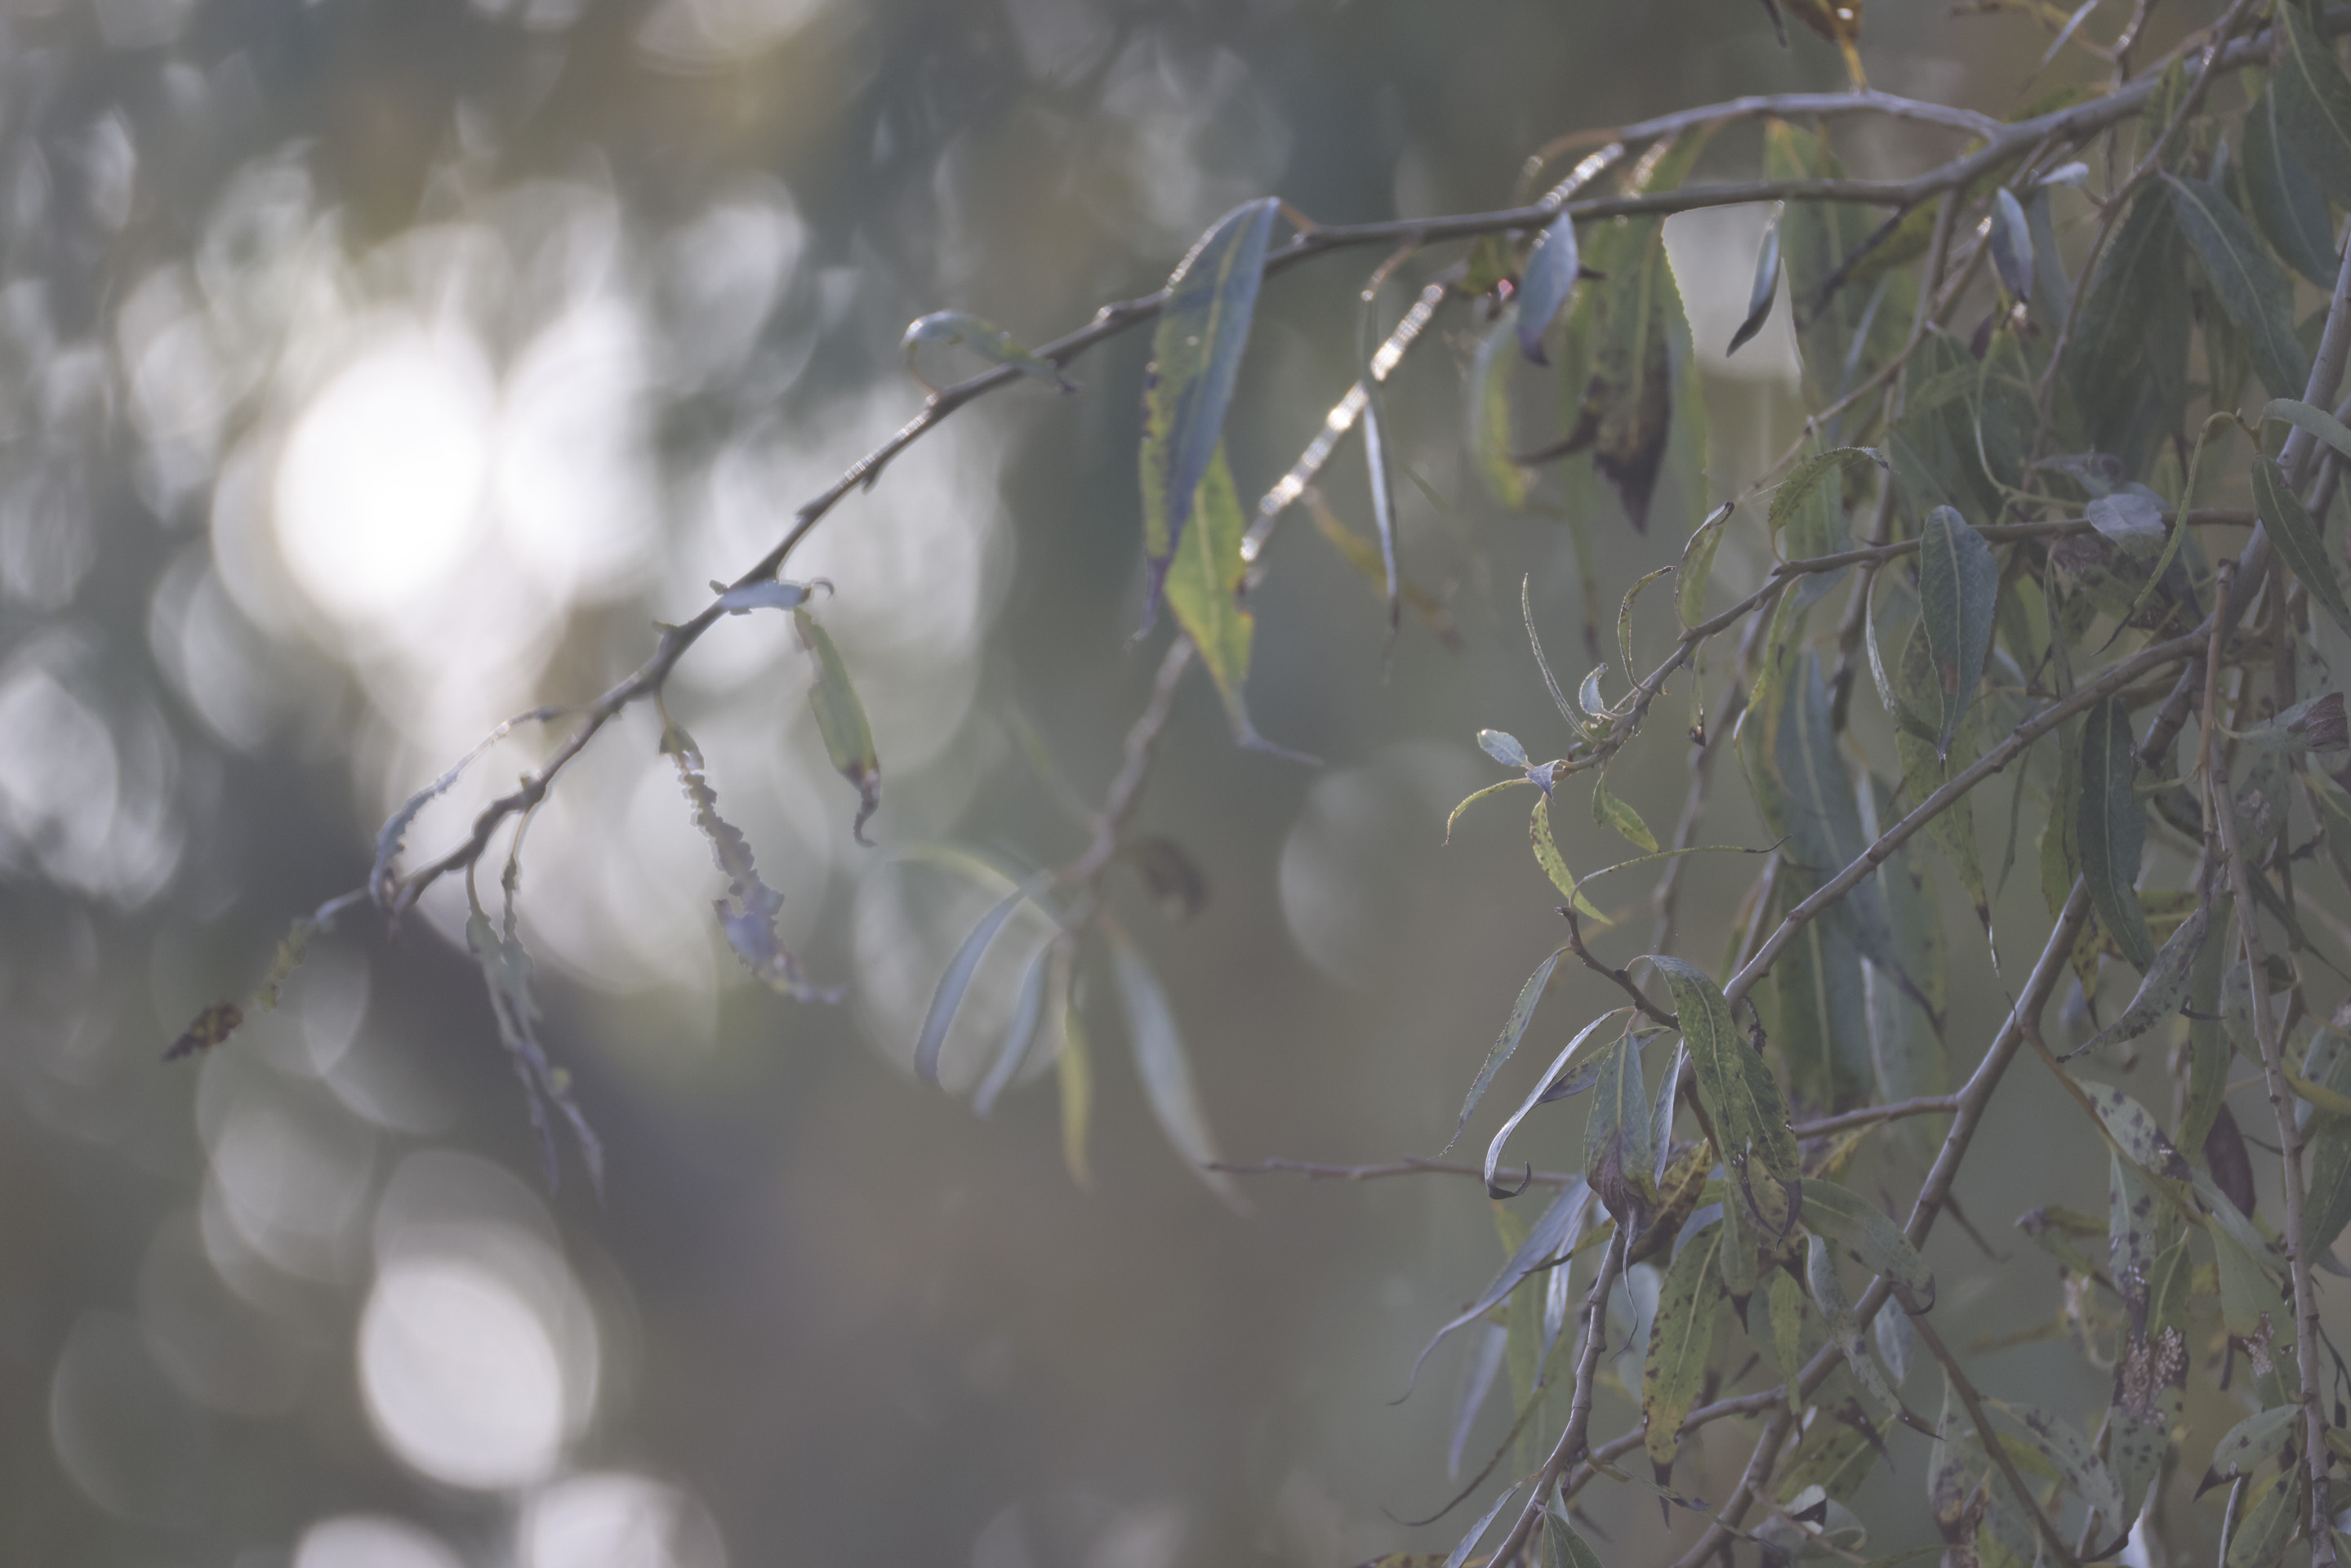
[
  {"x": 1712, "y": 253},
  {"x": 216, "y": 1347},
  {"x": 1348, "y": 863},
  {"x": 371, "y": 1541},
  {"x": 701, "y": 34},
  {"x": 379, "y": 492},
  {"x": 461, "y": 1378},
  {"x": 293, "y": 1173},
  {"x": 614, "y": 1520}
]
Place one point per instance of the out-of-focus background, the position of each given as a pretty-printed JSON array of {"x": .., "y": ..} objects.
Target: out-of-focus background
[{"x": 378, "y": 369}]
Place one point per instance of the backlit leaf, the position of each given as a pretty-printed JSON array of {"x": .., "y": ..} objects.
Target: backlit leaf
[
  {"x": 747, "y": 914},
  {"x": 840, "y": 719},
  {"x": 986, "y": 339},
  {"x": 1196, "y": 353},
  {"x": 1167, "y": 1070},
  {"x": 1550, "y": 274},
  {"x": 1554, "y": 865},
  {"x": 1609, "y": 811},
  {"x": 946, "y": 997}
]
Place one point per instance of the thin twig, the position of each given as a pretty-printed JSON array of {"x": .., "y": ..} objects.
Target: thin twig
[{"x": 1993, "y": 1445}]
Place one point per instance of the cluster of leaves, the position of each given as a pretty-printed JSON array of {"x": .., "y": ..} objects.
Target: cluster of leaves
[{"x": 2035, "y": 531}]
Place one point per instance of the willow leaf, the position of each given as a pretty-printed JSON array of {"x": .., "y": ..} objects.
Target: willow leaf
[
  {"x": 1681, "y": 1337},
  {"x": 2110, "y": 829},
  {"x": 1851, "y": 1222},
  {"x": 1543, "y": 291},
  {"x": 2314, "y": 103},
  {"x": 2286, "y": 200},
  {"x": 2249, "y": 283},
  {"x": 1740, "y": 1096},
  {"x": 1514, "y": 1029},
  {"x": 1196, "y": 353},
  {"x": 1959, "y": 589}
]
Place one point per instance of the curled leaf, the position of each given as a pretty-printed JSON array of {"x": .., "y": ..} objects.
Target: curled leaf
[
  {"x": 840, "y": 719},
  {"x": 2012, "y": 245},
  {"x": 1764, "y": 289},
  {"x": 505, "y": 969},
  {"x": 1550, "y": 279},
  {"x": 747, "y": 914},
  {"x": 986, "y": 339},
  {"x": 1167, "y": 1070},
  {"x": 1572, "y": 1070}
]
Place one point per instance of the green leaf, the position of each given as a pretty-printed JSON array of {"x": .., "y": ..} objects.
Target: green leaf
[
  {"x": 1620, "y": 397},
  {"x": 1460, "y": 1553},
  {"x": 1681, "y": 1337},
  {"x": 1562, "y": 1547},
  {"x": 2314, "y": 104},
  {"x": 1203, "y": 588},
  {"x": 2328, "y": 1138},
  {"x": 1514, "y": 1029},
  {"x": 1478, "y": 1376},
  {"x": 1490, "y": 437},
  {"x": 2129, "y": 350},
  {"x": 1617, "y": 1154},
  {"x": 840, "y": 719},
  {"x": 1766, "y": 286},
  {"x": 1814, "y": 808},
  {"x": 1959, "y": 587},
  {"x": 2249, "y": 283},
  {"x": 2244, "y": 1448},
  {"x": 1550, "y": 279},
  {"x": 1822, "y": 1029},
  {"x": 2165, "y": 987},
  {"x": 1822, "y": 241},
  {"x": 2273, "y": 1509},
  {"x": 1741, "y": 1097},
  {"x": 2137, "y": 1136},
  {"x": 2297, "y": 539},
  {"x": 1845, "y": 1328},
  {"x": 2110, "y": 829},
  {"x": 2250, "y": 1296},
  {"x": 1924, "y": 772},
  {"x": 1784, "y": 1312},
  {"x": 2317, "y": 421},
  {"x": 1196, "y": 361},
  {"x": 2286, "y": 200},
  {"x": 2075, "y": 1462},
  {"x": 986, "y": 339},
  {"x": 1554, "y": 865},
  {"x": 1474, "y": 796},
  {"x": 2208, "y": 1045},
  {"x": 1698, "y": 565},
  {"x": 1845, "y": 1217},
  {"x": 1907, "y": 1003},
  {"x": 1167, "y": 1070},
  {"x": 1020, "y": 1034},
  {"x": 2053, "y": 291},
  {"x": 1609, "y": 811}
]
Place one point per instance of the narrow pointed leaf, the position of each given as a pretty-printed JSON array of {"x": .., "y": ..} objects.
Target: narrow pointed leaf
[
  {"x": 1851, "y": 1222},
  {"x": 1460, "y": 1553},
  {"x": 1681, "y": 1336},
  {"x": 1478, "y": 1377},
  {"x": 1562, "y": 1547},
  {"x": 2255, "y": 1438},
  {"x": 1195, "y": 362},
  {"x": 2298, "y": 541},
  {"x": 1028, "y": 1017},
  {"x": 2110, "y": 829},
  {"x": 1742, "y": 1099},
  {"x": 1805, "y": 479},
  {"x": 2012, "y": 245},
  {"x": 947, "y": 998},
  {"x": 1845, "y": 1327},
  {"x": 2317, "y": 421},
  {"x": 2164, "y": 989},
  {"x": 1571, "y": 1071},
  {"x": 2314, "y": 103},
  {"x": 1550, "y": 279},
  {"x": 2076, "y": 1463},
  {"x": 1959, "y": 585},
  {"x": 1697, "y": 567},
  {"x": 1554, "y": 865},
  {"x": 2246, "y": 279},
  {"x": 840, "y": 719},
  {"x": 2286, "y": 200},
  {"x": 987, "y": 339},
  {"x": 1203, "y": 588},
  {"x": 1167, "y": 1071},
  {"x": 1609, "y": 811},
  {"x": 1514, "y": 1029},
  {"x": 1616, "y": 1149}
]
